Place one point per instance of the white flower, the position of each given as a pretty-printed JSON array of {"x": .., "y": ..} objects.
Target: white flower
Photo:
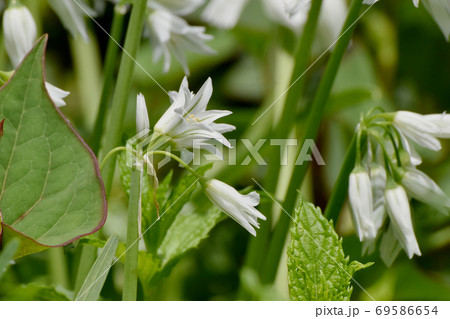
[
  {"x": 442, "y": 124},
  {"x": 397, "y": 205},
  {"x": 142, "y": 121},
  {"x": 389, "y": 247},
  {"x": 56, "y": 94},
  {"x": 418, "y": 128},
  {"x": 223, "y": 13},
  {"x": 416, "y": 2},
  {"x": 294, "y": 14},
  {"x": 188, "y": 122},
  {"x": 424, "y": 189},
  {"x": 71, "y": 13},
  {"x": 171, "y": 34},
  {"x": 361, "y": 202},
  {"x": 179, "y": 7},
  {"x": 239, "y": 207},
  {"x": 19, "y": 30},
  {"x": 414, "y": 158}
]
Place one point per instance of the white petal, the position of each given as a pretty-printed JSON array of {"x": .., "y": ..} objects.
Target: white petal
[
  {"x": 56, "y": 94},
  {"x": 361, "y": 202},
  {"x": 142, "y": 121},
  {"x": 397, "y": 205},
  {"x": 442, "y": 123},
  {"x": 19, "y": 30},
  {"x": 223, "y": 13}
]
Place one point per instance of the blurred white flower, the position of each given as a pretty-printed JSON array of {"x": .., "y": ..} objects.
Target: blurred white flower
[
  {"x": 71, "y": 13},
  {"x": 294, "y": 14},
  {"x": 56, "y": 94},
  {"x": 19, "y": 30},
  {"x": 142, "y": 121},
  {"x": 223, "y": 13},
  {"x": 178, "y": 7},
  {"x": 442, "y": 124},
  {"x": 418, "y": 128},
  {"x": 389, "y": 247},
  {"x": 424, "y": 189},
  {"x": 361, "y": 202},
  {"x": 171, "y": 34},
  {"x": 369, "y": 2},
  {"x": 189, "y": 124},
  {"x": 397, "y": 205},
  {"x": 239, "y": 207},
  {"x": 440, "y": 11}
]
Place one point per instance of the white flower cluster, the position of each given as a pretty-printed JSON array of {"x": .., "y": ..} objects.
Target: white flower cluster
[
  {"x": 381, "y": 187},
  {"x": 188, "y": 125}
]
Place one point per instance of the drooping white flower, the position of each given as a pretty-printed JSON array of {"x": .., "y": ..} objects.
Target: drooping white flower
[
  {"x": 19, "y": 30},
  {"x": 423, "y": 188},
  {"x": 397, "y": 205},
  {"x": 142, "y": 121},
  {"x": 189, "y": 124},
  {"x": 239, "y": 207},
  {"x": 72, "y": 13},
  {"x": 56, "y": 94},
  {"x": 378, "y": 183},
  {"x": 223, "y": 13},
  {"x": 361, "y": 202},
  {"x": 172, "y": 35},
  {"x": 418, "y": 128},
  {"x": 442, "y": 124},
  {"x": 178, "y": 7}
]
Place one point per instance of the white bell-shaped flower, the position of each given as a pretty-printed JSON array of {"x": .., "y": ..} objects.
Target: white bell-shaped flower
[{"x": 239, "y": 207}]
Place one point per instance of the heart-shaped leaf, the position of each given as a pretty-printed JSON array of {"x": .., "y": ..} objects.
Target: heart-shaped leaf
[{"x": 51, "y": 192}]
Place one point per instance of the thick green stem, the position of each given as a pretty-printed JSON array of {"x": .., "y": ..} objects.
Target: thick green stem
[
  {"x": 131, "y": 257},
  {"x": 112, "y": 53},
  {"x": 340, "y": 189},
  {"x": 255, "y": 255},
  {"x": 314, "y": 119},
  {"x": 113, "y": 131}
]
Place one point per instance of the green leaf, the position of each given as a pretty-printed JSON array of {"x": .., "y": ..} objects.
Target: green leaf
[
  {"x": 318, "y": 268},
  {"x": 51, "y": 192},
  {"x": 93, "y": 284},
  {"x": 7, "y": 255},
  {"x": 190, "y": 227},
  {"x": 36, "y": 292}
]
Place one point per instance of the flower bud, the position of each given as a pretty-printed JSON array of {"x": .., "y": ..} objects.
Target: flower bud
[{"x": 19, "y": 30}]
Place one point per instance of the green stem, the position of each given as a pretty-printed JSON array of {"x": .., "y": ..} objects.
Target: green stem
[
  {"x": 340, "y": 189},
  {"x": 314, "y": 119},
  {"x": 256, "y": 247},
  {"x": 58, "y": 267},
  {"x": 110, "y": 63},
  {"x": 131, "y": 257},
  {"x": 113, "y": 131}
]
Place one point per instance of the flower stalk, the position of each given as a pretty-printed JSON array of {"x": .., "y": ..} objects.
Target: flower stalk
[{"x": 314, "y": 120}]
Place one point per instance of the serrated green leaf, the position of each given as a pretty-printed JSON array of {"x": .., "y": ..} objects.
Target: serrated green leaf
[
  {"x": 93, "y": 284},
  {"x": 318, "y": 268},
  {"x": 51, "y": 192}
]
